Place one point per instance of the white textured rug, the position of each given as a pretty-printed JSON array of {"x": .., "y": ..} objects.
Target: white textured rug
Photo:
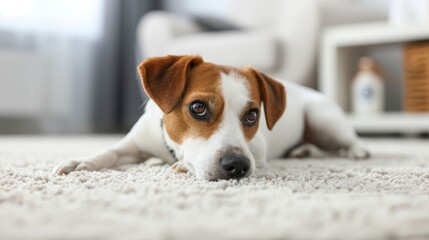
[{"x": 385, "y": 197}]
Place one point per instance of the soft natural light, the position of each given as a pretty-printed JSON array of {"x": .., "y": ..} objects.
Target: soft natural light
[{"x": 74, "y": 18}]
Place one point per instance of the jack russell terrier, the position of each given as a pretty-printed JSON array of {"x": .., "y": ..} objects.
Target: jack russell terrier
[{"x": 208, "y": 120}]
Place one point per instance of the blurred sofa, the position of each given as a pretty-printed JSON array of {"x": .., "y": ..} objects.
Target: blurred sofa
[{"x": 278, "y": 37}]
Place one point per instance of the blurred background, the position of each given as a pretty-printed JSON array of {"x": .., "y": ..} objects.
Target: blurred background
[{"x": 69, "y": 66}]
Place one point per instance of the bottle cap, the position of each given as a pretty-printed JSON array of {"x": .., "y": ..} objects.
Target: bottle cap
[{"x": 367, "y": 64}]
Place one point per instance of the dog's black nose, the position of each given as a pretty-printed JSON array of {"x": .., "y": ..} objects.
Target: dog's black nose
[{"x": 235, "y": 165}]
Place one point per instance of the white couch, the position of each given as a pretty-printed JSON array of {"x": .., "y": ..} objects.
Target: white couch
[{"x": 278, "y": 37}]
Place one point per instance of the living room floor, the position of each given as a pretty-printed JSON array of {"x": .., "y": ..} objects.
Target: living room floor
[{"x": 384, "y": 197}]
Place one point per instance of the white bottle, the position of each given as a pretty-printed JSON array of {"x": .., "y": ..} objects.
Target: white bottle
[{"x": 367, "y": 89}]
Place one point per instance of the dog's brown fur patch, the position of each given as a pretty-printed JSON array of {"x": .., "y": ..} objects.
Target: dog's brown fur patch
[
  {"x": 174, "y": 82},
  {"x": 203, "y": 84},
  {"x": 255, "y": 96},
  {"x": 168, "y": 74},
  {"x": 273, "y": 95}
]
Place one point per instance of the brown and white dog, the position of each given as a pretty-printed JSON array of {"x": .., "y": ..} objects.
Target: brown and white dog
[{"x": 208, "y": 119}]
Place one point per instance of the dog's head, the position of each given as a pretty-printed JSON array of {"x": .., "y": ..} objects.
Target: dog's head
[{"x": 212, "y": 112}]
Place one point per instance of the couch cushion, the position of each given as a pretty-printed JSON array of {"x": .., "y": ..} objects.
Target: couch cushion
[
  {"x": 214, "y": 24},
  {"x": 235, "y": 48}
]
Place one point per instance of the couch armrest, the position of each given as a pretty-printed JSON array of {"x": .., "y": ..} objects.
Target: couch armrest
[
  {"x": 235, "y": 48},
  {"x": 158, "y": 28}
]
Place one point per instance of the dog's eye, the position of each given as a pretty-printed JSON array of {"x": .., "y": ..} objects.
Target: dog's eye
[
  {"x": 251, "y": 117},
  {"x": 199, "y": 110}
]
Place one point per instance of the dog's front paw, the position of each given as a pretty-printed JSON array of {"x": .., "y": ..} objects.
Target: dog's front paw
[
  {"x": 356, "y": 152},
  {"x": 307, "y": 150},
  {"x": 179, "y": 167},
  {"x": 73, "y": 165},
  {"x": 66, "y": 167}
]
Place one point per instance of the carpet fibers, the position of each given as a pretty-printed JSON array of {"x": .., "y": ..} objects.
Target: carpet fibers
[{"x": 386, "y": 197}]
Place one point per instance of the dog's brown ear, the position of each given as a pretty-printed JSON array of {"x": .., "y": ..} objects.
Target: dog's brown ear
[
  {"x": 164, "y": 78},
  {"x": 273, "y": 95}
]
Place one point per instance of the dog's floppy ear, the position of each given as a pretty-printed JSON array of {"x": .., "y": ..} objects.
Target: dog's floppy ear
[
  {"x": 273, "y": 95},
  {"x": 164, "y": 78}
]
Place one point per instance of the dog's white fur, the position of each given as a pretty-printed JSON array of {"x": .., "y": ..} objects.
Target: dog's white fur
[{"x": 198, "y": 155}]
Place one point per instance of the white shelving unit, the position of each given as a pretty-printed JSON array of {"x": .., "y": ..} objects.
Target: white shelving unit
[{"x": 340, "y": 50}]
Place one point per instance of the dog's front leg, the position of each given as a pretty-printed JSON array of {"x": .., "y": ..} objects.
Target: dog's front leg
[
  {"x": 125, "y": 151},
  {"x": 258, "y": 147}
]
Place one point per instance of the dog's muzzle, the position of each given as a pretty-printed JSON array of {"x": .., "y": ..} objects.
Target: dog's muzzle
[{"x": 234, "y": 165}]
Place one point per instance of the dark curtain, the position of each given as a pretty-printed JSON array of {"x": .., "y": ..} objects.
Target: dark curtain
[{"x": 117, "y": 98}]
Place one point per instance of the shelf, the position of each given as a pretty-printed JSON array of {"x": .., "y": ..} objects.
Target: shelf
[
  {"x": 341, "y": 48},
  {"x": 375, "y": 33},
  {"x": 394, "y": 122}
]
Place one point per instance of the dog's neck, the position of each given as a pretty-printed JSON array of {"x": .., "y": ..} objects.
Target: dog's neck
[{"x": 170, "y": 147}]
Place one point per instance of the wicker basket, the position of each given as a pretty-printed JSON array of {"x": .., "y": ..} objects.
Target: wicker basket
[{"x": 416, "y": 84}]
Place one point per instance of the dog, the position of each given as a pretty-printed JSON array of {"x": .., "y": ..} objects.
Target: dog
[{"x": 220, "y": 122}]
